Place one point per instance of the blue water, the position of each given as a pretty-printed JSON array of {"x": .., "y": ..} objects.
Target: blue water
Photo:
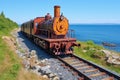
[{"x": 99, "y": 34}]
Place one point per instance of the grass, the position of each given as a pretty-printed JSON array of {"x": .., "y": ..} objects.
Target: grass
[
  {"x": 91, "y": 52},
  {"x": 10, "y": 64}
]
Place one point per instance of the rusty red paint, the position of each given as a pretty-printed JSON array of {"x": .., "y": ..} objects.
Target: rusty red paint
[
  {"x": 52, "y": 34},
  {"x": 36, "y": 22}
]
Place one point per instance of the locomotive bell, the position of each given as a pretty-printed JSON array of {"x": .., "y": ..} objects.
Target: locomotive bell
[{"x": 61, "y": 17}]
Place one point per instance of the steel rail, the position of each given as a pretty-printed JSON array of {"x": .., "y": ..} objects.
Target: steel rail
[{"x": 82, "y": 75}]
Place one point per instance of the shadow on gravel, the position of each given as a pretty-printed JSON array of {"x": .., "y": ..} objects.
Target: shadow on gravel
[{"x": 26, "y": 43}]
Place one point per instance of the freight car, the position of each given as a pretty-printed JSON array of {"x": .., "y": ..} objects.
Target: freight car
[{"x": 52, "y": 34}]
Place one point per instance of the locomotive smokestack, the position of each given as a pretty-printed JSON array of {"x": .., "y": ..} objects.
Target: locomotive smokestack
[{"x": 56, "y": 11}]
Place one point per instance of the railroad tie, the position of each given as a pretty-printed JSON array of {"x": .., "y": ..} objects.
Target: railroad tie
[
  {"x": 77, "y": 62},
  {"x": 68, "y": 58},
  {"x": 108, "y": 78},
  {"x": 97, "y": 74},
  {"x": 92, "y": 70},
  {"x": 70, "y": 61},
  {"x": 79, "y": 65},
  {"x": 84, "y": 67}
]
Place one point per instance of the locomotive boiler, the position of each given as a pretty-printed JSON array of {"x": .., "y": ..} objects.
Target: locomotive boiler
[
  {"x": 58, "y": 25},
  {"x": 52, "y": 34}
]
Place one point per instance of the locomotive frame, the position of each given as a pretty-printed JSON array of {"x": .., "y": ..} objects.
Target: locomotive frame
[{"x": 52, "y": 34}]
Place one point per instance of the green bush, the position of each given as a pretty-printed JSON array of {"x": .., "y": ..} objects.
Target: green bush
[
  {"x": 14, "y": 70},
  {"x": 11, "y": 71},
  {"x": 6, "y": 25},
  {"x": 98, "y": 47},
  {"x": 87, "y": 47},
  {"x": 90, "y": 42},
  {"x": 99, "y": 55},
  {"x": 2, "y": 14}
]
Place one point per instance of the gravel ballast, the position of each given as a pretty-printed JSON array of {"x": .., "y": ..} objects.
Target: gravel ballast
[{"x": 53, "y": 64}]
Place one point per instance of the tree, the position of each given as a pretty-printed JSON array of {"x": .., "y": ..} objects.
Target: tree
[{"x": 2, "y": 14}]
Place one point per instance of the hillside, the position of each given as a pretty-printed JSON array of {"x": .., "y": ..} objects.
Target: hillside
[
  {"x": 10, "y": 64},
  {"x": 6, "y": 25}
]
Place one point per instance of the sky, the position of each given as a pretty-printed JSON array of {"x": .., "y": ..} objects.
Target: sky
[{"x": 76, "y": 11}]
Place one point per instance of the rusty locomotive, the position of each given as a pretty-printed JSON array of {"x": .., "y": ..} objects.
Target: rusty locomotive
[{"x": 52, "y": 34}]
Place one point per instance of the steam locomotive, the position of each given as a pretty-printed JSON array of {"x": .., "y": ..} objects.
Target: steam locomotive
[{"x": 52, "y": 34}]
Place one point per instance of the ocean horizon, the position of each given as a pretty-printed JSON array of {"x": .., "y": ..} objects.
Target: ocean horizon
[{"x": 98, "y": 33}]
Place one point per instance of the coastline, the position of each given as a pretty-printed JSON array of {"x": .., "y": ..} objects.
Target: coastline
[
  {"x": 98, "y": 33},
  {"x": 99, "y": 55}
]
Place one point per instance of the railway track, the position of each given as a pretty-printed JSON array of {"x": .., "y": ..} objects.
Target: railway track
[{"x": 87, "y": 70}]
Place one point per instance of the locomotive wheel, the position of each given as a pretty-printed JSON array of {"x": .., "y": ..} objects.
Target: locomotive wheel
[
  {"x": 57, "y": 46},
  {"x": 36, "y": 40}
]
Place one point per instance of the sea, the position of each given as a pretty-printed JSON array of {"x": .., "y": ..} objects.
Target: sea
[{"x": 109, "y": 33}]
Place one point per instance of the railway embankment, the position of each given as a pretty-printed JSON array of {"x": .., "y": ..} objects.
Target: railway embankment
[
  {"x": 99, "y": 55},
  {"x": 36, "y": 60},
  {"x": 10, "y": 64},
  {"x": 23, "y": 63},
  {"x": 32, "y": 62}
]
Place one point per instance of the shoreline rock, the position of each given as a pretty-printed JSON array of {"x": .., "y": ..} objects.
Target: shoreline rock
[
  {"x": 112, "y": 58},
  {"x": 108, "y": 44}
]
